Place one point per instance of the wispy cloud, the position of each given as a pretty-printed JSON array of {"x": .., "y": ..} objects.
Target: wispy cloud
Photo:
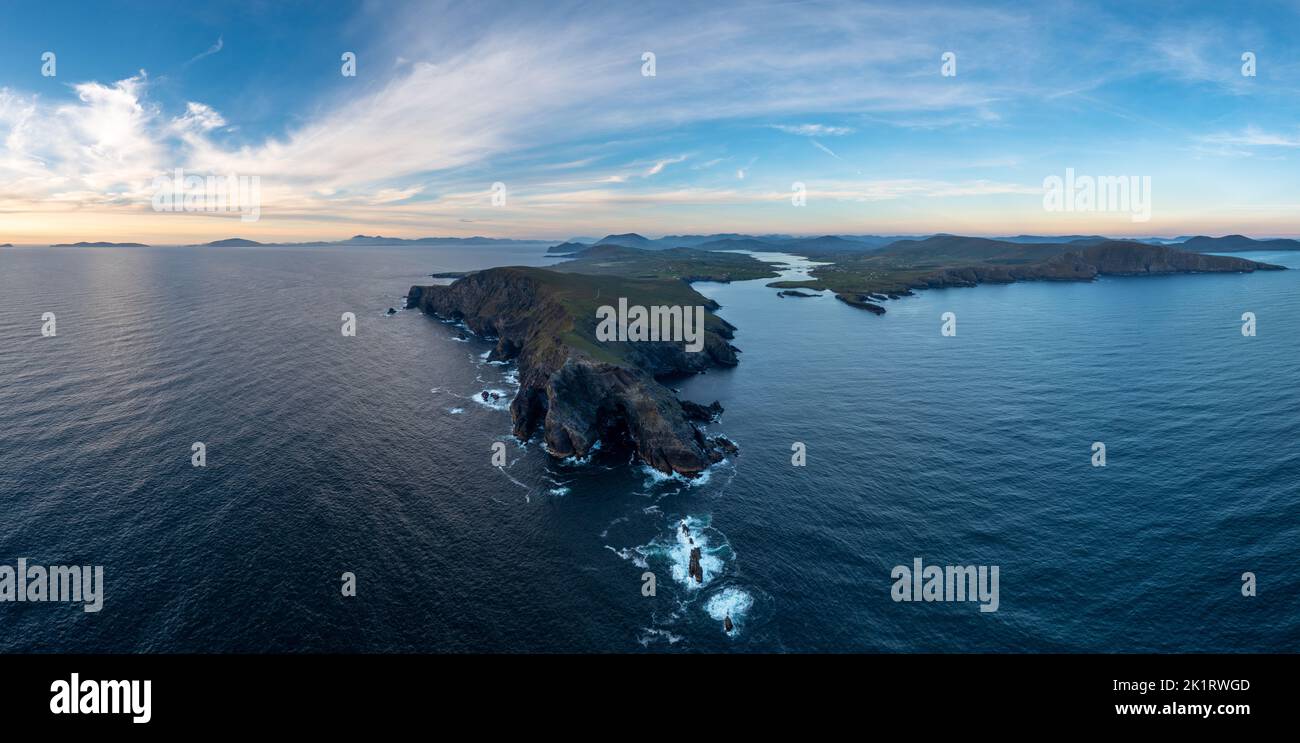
[
  {"x": 813, "y": 130},
  {"x": 216, "y": 47},
  {"x": 825, "y": 149},
  {"x": 659, "y": 165},
  {"x": 1252, "y": 137}
]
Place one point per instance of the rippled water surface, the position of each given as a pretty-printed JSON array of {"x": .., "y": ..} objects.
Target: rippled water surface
[{"x": 329, "y": 454}]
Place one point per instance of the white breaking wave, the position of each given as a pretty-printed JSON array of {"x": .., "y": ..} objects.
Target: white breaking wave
[
  {"x": 576, "y": 461},
  {"x": 730, "y": 602},
  {"x": 631, "y": 553},
  {"x": 501, "y": 403},
  {"x": 676, "y": 551},
  {"x": 657, "y": 478}
]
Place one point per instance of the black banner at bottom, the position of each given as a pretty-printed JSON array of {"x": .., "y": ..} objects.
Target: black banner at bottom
[{"x": 333, "y": 692}]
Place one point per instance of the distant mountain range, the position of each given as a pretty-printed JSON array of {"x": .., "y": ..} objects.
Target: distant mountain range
[
  {"x": 983, "y": 248},
  {"x": 808, "y": 246}
]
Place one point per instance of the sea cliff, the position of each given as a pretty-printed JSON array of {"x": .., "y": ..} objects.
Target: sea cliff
[{"x": 579, "y": 391}]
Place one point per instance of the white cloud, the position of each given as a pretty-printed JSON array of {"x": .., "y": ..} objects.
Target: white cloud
[
  {"x": 814, "y": 130},
  {"x": 1252, "y": 137},
  {"x": 474, "y": 99},
  {"x": 659, "y": 165},
  {"x": 390, "y": 195},
  {"x": 198, "y": 117},
  {"x": 210, "y": 51}
]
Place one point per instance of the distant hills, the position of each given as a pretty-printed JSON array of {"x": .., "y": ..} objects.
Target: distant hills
[
  {"x": 367, "y": 240},
  {"x": 1236, "y": 244},
  {"x": 939, "y": 245},
  {"x": 736, "y": 241},
  {"x": 234, "y": 242}
]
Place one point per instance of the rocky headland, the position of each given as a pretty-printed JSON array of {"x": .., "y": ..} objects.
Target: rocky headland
[{"x": 579, "y": 391}]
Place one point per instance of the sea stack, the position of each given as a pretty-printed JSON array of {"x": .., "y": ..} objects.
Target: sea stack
[
  {"x": 696, "y": 570},
  {"x": 727, "y": 625}
]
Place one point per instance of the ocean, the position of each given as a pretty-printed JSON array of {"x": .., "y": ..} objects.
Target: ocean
[{"x": 370, "y": 455}]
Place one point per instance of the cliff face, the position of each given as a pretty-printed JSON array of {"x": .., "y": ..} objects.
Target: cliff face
[
  {"x": 1122, "y": 258},
  {"x": 581, "y": 391}
]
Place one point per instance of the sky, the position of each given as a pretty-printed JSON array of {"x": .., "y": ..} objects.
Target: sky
[{"x": 541, "y": 120}]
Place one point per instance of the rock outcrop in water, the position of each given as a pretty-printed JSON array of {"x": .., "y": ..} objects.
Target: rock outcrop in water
[
  {"x": 696, "y": 570},
  {"x": 580, "y": 391},
  {"x": 860, "y": 301}
]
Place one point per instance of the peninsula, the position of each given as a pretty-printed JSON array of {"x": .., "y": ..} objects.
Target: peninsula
[
  {"x": 583, "y": 393},
  {"x": 580, "y": 391}
]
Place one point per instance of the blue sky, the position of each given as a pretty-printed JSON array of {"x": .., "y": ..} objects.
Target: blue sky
[{"x": 747, "y": 100}]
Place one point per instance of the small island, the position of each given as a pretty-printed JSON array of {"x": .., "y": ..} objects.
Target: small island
[{"x": 231, "y": 242}]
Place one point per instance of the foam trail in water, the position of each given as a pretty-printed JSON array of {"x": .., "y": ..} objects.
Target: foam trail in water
[{"x": 651, "y": 634}]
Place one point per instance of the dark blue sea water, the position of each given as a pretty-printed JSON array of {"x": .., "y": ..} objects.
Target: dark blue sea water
[{"x": 329, "y": 454}]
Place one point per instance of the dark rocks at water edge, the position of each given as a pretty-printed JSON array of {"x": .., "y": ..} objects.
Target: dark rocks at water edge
[
  {"x": 726, "y": 445},
  {"x": 391, "y": 312},
  {"x": 578, "y": 391},
  {"x": 727, "y": 626},
  {"x": 795, "y": 293},
  {"x": 702, "y": 413},
  {"x": 860, "y": 301}
]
